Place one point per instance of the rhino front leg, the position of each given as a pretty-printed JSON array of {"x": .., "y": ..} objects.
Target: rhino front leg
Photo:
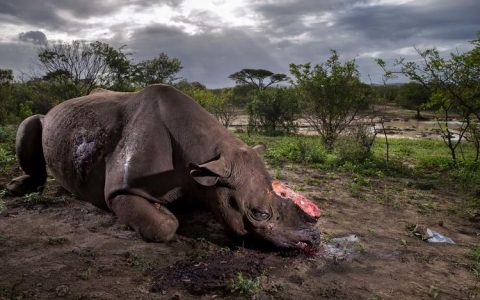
[{"x": 153, "y": 223}]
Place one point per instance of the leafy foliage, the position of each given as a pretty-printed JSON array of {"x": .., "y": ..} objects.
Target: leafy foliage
[
  {"x": 162, "y": 69},
  {"x": 219, "y": 103},
  {"x": 274, "y": 111},
  {"x": 331, "y": 95},
  {"x": 413, "y": 95},
  {"x": 244, "y": 286}
]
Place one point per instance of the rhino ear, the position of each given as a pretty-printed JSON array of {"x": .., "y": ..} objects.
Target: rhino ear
[
  {"x": 260, "y": 148},
  {"x": 209, "y": 173}
]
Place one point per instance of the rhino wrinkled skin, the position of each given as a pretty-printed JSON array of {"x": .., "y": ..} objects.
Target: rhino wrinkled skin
[{"x": 133, "y": 153}]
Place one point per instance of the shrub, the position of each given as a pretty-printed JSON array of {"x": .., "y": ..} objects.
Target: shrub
[
  {"x": 357, "y": 144},
  {"x": 274, "y": 111}
]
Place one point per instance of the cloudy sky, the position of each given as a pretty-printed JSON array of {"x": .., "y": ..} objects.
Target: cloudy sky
[{"x": 214, "y": 38}]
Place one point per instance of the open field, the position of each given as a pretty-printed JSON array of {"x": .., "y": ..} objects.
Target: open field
[{"x": 54, "y": 245}]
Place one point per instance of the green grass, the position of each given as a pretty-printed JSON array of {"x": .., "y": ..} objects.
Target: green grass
[
  {"x": 245, "y": 286},
  {"x": 426, "y": 162},
  {"x": 139, "y": 262},
  {"x": 474, "y": 256}
]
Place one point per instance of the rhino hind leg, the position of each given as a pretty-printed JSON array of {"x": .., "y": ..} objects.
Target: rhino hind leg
[
  {"x": 154, "y": 223},
  {"x": 30, "y": 157}
]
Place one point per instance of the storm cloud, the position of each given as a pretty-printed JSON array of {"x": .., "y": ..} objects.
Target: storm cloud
[
  {"x": 216, "y": 38},
  {"x": 35, "y": 37}
]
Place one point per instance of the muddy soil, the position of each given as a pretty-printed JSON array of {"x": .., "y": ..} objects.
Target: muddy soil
[{"x": 54, "y": 246}]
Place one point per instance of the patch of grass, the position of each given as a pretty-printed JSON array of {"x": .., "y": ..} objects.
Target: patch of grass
[
  {"x": 474, "y": 256},
  {"x": 434, "y": 292},
  {"x": 139, "y": 262},
  {"x": 37, "y": 198},
  {"x": 425, "y": 258},
  {"x": 87, "y": 274},
  {"x": 277, "y": 174},
  {"x": 3, "y": 206},
  {"x": 358, "y": 182},
  {"x": 327, "y": 214},
  {"x": 362, "y": 248},
  {"x": 417, "y": 159},
  {"x": 245, "y": 286},
  {"x": 57, "y": 241}
]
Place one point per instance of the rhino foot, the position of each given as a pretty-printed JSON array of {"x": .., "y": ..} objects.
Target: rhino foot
[
  {"x": 23, "y": 185},
  {"x": 154, "y": 223}
]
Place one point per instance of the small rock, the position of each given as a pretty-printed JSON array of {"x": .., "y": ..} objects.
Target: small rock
[{"x": 61, "y": 290}]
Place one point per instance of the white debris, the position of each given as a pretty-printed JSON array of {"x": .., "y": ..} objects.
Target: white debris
[{"x": 435, "y": 237}]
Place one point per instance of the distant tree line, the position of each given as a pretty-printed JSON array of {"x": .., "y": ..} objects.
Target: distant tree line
[
  {"x": 328, "y": 95},
  {"x": 74, "y": 69}
]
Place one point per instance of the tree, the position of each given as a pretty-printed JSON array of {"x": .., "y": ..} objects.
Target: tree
[
  {"x": 78, "y": 67},
  {"x": 456, "y": 77},
  {"x": 331, "y": 95},
  {"x": 454, "y": 84},
  {"x": 6, "y": 76},
  {"x": 219, "y": 103},
  {"x": 162, "y": 69},
  {"x": 413, "y": 95},
  {"x": 6, "y": 80},
  {"x": 256, "y": 78},
  {"x": 275, "y": 111}
]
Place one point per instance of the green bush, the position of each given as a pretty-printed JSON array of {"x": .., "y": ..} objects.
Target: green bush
[
  {"x": 357, "y": 144},
  {"x": 7, "y": 134},
  {"x": 273, "y": 111}
]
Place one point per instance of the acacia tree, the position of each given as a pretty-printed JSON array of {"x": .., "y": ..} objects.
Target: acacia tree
[
  {"x": 454, "y": 83},
  {"x": 259, "y": 79},
  {"x": 331, "y": 95},
  {"x": 456, "y": 77},
  {"x": 162, "y": 69},
  {"x": 78, "y": 67}
]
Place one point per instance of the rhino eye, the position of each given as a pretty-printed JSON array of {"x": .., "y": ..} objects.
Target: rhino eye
[{"x": 260, "y": 215}]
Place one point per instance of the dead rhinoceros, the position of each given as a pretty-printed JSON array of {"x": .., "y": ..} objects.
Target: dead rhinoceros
[{"x": 128, "y": 151}]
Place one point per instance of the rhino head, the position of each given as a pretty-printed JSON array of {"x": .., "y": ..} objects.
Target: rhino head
[{"x": 240, "y": 192}]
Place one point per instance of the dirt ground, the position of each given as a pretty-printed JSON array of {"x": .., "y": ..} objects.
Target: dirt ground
[{"x": 57, "y": 246}]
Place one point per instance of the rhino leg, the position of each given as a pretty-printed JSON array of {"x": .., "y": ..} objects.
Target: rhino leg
[
  {"x": 153, "y": 223},
  {"x": 30, "y": 157}
]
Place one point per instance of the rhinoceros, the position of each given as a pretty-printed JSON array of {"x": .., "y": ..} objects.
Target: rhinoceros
[{"x": 134, "y": 153}]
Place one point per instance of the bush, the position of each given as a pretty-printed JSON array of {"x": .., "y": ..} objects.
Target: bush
[
  {"x": 274, "y": 111},
  {"x": 357, "y": 144},
  {"x": 7, "y": 134}
]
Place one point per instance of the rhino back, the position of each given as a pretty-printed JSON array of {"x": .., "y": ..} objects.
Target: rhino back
[
  {"x": 77, "y": 136},
  {"x": 197, "y": 135}
]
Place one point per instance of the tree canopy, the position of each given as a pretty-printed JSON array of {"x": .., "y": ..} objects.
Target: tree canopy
[
  {"x": 161, "y": 69},
  {"x": 258, "y": 78}
]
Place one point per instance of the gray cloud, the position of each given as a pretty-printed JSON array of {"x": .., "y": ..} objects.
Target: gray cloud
[
  {"x": 54, "y": 13},
  {"x": 207, "y": 57},
  {"x": 18, "y": 57},
  {"x": 34, "y": 37},
  {"x": 287, "y": 31}
]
